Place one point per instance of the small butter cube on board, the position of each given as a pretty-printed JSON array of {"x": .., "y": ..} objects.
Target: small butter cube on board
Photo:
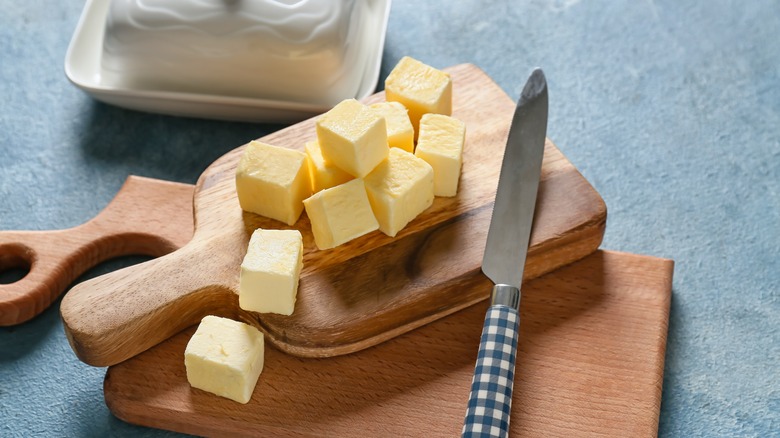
[
  {"x": 400, "y": 133},
  {"x": 441, "y": 145},
  {"x": 399, "y": 189},
  {"x": 420, "y": 88},
  {"x": 323, "y": 174},
  {"x": 353, "y": 137},
  {"x": 268, "y": 282},
  {"x": 273, "y": 181},
  {"x": 225, "y": 357},
  {"x": 340, "y": 214}
]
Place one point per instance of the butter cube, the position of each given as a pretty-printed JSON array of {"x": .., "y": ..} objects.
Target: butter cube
[
  {"x": 268, "y": 282},
  {"x": 400, "y": 133},
  {"x": 399, "y": 189},
  {"x": 273, "y": 181},
  {"x": 420, "y": 88},
  {"x": 441, "y": 145},
  {"x": 340, "y": 214},
  {"x": 323, "y": 174},
  {"x": 353, "y": 137},
  {"x": 225, "y": 357}
]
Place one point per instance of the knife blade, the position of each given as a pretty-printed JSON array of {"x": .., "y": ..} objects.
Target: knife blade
[{"x": 490, "y": 398}]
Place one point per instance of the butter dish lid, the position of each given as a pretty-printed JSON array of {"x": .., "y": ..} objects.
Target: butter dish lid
[{"x": 259, "y": 61}]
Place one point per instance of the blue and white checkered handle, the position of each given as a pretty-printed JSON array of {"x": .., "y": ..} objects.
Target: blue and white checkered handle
[{"x": 490, "y": 399}]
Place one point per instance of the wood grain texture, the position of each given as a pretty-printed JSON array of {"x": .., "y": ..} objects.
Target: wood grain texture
[
  {"x": 358, "y": 294},
  {"x": 590, "y": 363},
  {"x": 147, "y": 217}
]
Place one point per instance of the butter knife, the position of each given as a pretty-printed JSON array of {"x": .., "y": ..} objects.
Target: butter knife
[{"x": 490, "y": 398}]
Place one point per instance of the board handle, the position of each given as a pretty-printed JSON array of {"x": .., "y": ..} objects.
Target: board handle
[
  {"x": 490, "y": 398},
  {"x": 147, "y": 217},
  {"x": 116, "y": 316}
]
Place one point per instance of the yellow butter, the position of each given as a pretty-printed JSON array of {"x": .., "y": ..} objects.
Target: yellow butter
[
  {"x": 420, "y": 88},
  {"x": 399, "y": 189},
  {"x": 340, "y": 214},
  {"x": 268, "y": 282},
  {"x": 225, "y": 357},
  {"x": 273, "y": 181},
  {"x": 400, "y": 133},
  {"x": 440, "y": 144},
  {"x": 352, "y": 137},
  {"x": 323, "y": 175}
]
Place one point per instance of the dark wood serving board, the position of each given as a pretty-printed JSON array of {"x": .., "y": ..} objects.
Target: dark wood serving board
[{"x": 356, "y": 295}]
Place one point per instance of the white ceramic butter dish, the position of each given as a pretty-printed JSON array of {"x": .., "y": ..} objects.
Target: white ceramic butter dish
[{"x": 258, "y": 60}]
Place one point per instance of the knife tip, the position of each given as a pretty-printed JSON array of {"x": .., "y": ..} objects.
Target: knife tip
[{"x": 536, "y": 84}]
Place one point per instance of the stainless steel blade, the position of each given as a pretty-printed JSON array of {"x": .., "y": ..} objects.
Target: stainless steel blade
[{"x": 510, "y": 227}]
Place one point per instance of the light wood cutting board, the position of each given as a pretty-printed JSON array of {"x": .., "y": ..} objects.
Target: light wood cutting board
[
  {"x": 590, "y": 363},
  {"x": 356, "y": 295},
  {"x": 147, "y": 217}
]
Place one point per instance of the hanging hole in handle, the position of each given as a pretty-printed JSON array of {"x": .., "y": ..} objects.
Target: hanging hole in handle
[{"x": 15, "y": 262}]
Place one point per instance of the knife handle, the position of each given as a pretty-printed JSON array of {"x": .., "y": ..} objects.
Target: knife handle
[{"x": 490, "y": 399}]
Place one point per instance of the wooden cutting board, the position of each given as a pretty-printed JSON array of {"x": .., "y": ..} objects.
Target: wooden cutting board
[
  {"x": 146, "y": 217},
  {"x": 356, "y": 295},
  {"x": 590, "y": 363}
]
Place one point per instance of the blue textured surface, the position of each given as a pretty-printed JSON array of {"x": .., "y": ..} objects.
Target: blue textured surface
[{"x": 671, "y": 109}]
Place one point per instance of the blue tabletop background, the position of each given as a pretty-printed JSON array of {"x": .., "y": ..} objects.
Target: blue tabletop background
[{"x": 670, "y": 109}]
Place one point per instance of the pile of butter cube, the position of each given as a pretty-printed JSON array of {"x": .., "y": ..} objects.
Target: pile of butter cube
[{"x": 363, "y": 173}]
